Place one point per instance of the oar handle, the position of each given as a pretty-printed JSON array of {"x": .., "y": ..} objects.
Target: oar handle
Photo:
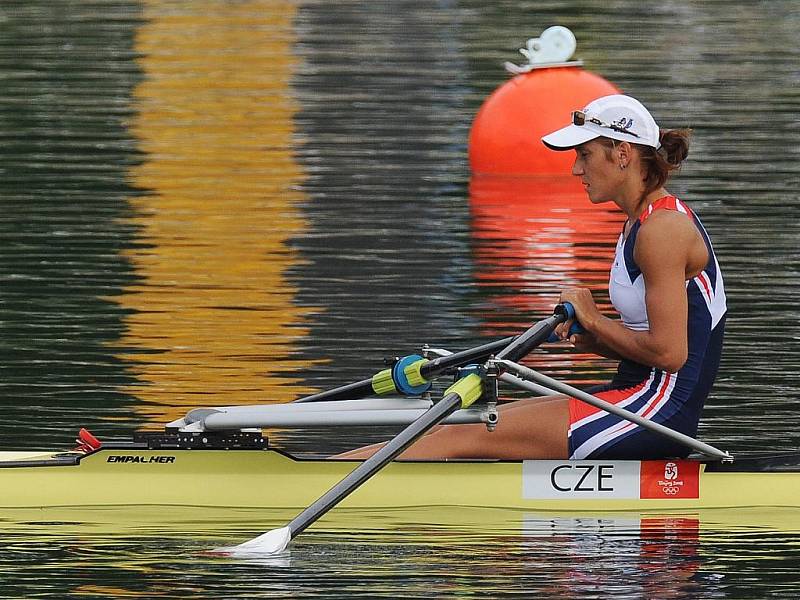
[
  {"x": 565, "y": 309},
  {"x": 536, "y": 335},
  {"x": 569, "y": 312}
]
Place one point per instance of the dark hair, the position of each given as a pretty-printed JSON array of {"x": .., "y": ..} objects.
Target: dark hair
[{"x": 658, "y": 164}]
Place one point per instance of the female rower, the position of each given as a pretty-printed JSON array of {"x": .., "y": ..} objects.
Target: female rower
[{"x": 665, "y": 284}]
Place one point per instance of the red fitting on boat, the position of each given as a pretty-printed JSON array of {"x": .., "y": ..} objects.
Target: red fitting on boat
[{"x": 87, "y": 442}]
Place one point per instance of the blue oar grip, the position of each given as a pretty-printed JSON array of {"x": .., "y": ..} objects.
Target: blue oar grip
[
  {"x": 566, "y": 310},
  {"x": 407, "y": 377},
  {"x": 575, "y": 328}
]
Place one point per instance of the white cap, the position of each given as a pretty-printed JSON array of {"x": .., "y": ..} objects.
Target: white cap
[{"x": 618, "y": 115}]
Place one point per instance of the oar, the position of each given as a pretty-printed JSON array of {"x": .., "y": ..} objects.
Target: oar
[
  {"x": 461, "y": 394},
  {"x": 381, "y": 383}
]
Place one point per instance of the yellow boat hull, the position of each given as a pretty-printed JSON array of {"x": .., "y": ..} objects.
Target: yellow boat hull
[{"x": 268, "y": 479}]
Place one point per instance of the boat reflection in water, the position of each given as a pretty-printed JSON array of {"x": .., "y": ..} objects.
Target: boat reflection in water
[
  {"x": 663, "y": 551},
  {"x": 458, "y": 549},
  {"x": 706, "y": 553}
]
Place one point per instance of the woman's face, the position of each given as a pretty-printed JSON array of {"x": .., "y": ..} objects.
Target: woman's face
[{"x": 601, "y": 176}]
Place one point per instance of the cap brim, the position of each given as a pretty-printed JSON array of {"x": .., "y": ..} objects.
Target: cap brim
[{"x": 568, "y": 137}]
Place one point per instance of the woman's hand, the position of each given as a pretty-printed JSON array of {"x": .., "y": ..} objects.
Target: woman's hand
[
  {"x": 588, "y": 316},
  {"x": 585, "y": 343},
  {"x": 586, "y": 313}
]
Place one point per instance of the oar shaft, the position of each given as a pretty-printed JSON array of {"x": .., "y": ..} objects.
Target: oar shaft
[
  {"x": 439, "y": 365},
  {"x": 374, "y": 463},
  {"x": 429, "y": 370},
  {"x": 351, "y": 391},
  {"x": 513, "y": 380},
  {"x": 530, "y": 374},
  {"x": 532, "y": 338},
  {"x": 462, "y": 393},
  {"x": 509, "y": 347}
]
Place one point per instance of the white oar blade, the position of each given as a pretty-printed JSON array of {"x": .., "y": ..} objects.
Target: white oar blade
[{"x": 271, "y": 542}]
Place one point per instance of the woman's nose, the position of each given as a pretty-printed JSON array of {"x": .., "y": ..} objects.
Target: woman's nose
[{"x": 577, "y": 168}]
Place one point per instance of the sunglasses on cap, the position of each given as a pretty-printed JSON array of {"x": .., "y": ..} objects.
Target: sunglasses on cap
[{"x": 580, "y": 118}]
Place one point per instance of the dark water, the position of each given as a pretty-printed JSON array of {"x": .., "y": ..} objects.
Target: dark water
[
  {"x": 544, "y": 557},
  {"x": 220, "y": 202}
]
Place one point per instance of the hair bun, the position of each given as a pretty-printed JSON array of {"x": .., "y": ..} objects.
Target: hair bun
[{"x": 674, "y": 145}]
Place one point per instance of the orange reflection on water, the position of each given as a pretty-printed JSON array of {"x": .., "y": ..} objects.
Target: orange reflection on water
[
  {"x": 212, "y": 317},
  {"x": 534, "y": 236}
]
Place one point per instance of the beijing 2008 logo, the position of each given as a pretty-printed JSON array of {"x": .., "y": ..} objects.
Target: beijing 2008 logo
[
  {"x": 670, "y": 479},
  {"x": 671, "y": 484}
]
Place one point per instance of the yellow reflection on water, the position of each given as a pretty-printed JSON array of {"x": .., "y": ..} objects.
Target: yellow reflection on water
[{"x": 212, "y": 317}]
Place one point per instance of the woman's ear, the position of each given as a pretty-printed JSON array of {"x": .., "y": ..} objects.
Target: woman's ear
[{"x": 624, "y": 154}]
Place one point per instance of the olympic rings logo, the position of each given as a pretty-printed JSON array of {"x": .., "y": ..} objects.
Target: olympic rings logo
[{"x": 670, "y": 491}]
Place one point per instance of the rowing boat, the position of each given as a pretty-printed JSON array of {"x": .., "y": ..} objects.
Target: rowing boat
[
  {"x": 218, "y": 457},
  {"x": 148, "y": 472}
]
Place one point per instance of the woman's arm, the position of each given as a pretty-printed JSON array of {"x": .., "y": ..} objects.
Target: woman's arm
[{"x": 666, "y": 248}]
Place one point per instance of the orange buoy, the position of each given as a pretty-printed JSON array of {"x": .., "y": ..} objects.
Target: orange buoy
[{"x": 505, "y": 138}]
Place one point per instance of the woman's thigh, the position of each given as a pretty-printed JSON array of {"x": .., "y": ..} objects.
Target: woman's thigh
[{"x": 526, "y": 429}]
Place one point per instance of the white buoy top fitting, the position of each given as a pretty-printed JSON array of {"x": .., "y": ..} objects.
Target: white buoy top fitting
[{"x": 553, "y": 48}]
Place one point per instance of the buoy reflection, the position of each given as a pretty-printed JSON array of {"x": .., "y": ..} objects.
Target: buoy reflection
[{"x": 533, "y": 236}]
